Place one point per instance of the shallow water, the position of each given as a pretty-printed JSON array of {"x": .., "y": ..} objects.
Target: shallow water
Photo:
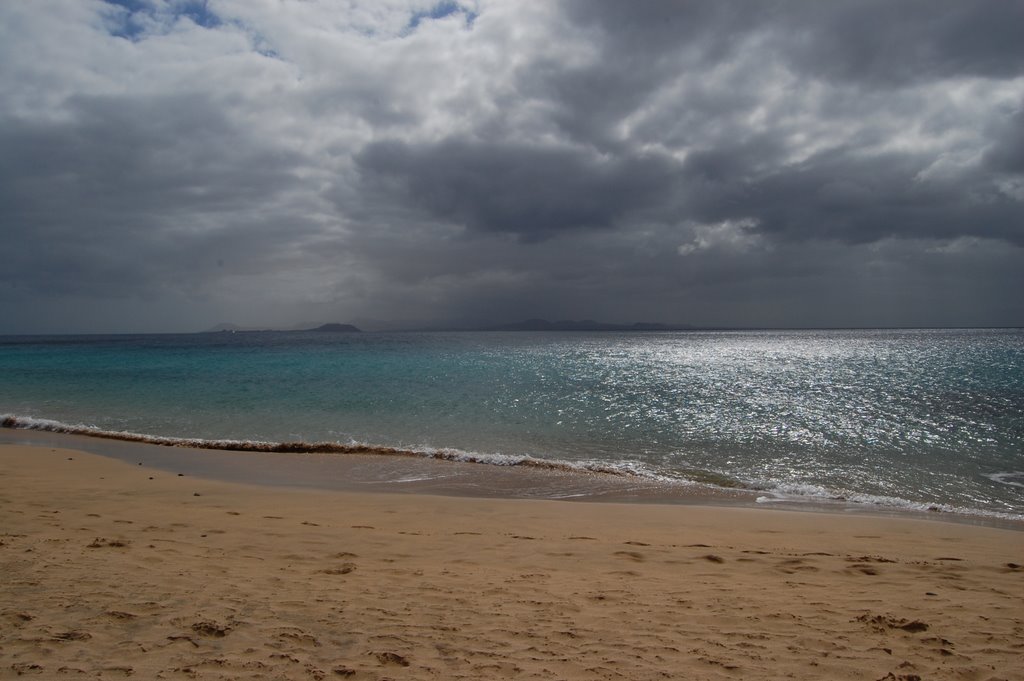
[{"x": 906, "y": 418}]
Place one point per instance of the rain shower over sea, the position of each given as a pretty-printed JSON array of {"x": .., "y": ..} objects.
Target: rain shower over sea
[{"x": 916, "y": 419}]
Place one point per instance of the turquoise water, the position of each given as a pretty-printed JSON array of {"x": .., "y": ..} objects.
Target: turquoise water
[{"x": 911, "y": 418}]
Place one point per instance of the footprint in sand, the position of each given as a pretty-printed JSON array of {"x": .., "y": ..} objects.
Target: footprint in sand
[
  {"x": 120, "y": 615},
  {"x": 20, "y": 668},
  {"x": 187, "y": 639},
  {"x": 120, "y": 669},
  {"x": 341, "y": 570},
  {"x": 211, "y": 629},
  {"x": 863, "y": 569},
  {"x": 300, "y": 637},
  {"x": 631, "y": 555},
  {"x": 793, "y": 565},
  {"x": 391, "y": 658},
  {"x": 885, "y": 622},
  {"x": 100, "y": 542},
  {"x": 901, "y": 677}
]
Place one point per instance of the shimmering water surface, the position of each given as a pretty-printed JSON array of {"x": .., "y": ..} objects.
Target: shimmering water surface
[{"x": 911, "y": 418}]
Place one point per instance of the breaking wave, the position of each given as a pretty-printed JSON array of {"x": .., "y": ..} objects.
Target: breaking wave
[
  {"x": 1012, "y": 478},
  {"x": 300, "y": 447},
  {"x": 802, "y": 492},
  {"x": 791, "y": 493}
]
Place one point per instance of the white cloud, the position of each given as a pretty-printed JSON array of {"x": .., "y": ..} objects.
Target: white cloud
[{"x": 737, "y": 236}]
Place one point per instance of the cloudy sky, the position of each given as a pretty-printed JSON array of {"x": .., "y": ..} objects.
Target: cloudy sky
[{"x": 171, "y": 164}]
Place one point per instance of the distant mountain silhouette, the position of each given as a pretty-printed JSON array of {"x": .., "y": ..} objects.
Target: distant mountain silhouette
[
  {"x": 525, "y": 325},
  {"x": 228, "y": 327}
]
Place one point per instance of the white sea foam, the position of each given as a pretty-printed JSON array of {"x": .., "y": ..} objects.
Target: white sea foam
[
  {"x": 352, "y": 447},
  {"x": 1011, "y": 478},
  {"x": 809, "y": 493},
  {"x": 49, "y": 425},
  {"x": 782, "y": 492}
]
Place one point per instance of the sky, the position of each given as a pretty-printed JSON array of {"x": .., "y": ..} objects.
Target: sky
[{"x": 168, "y": 165}]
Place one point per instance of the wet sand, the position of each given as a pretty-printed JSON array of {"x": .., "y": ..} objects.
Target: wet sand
[
  {"x": 369, "y": 472},
  {"x": 113, "y": 569}
]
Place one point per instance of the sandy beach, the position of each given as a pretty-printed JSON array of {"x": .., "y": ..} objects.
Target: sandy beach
[{"x": 113, "y": 570}]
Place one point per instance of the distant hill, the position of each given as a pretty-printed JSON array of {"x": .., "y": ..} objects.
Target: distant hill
[
  {"x": 228, "y": 327},
  {"x": 525, "y": 325}
]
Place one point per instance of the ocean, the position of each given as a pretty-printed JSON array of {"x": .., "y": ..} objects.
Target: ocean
[{"x": 888, "y": 419}]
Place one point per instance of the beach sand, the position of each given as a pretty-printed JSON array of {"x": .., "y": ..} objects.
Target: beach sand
[{"x": 111, "y": 570}]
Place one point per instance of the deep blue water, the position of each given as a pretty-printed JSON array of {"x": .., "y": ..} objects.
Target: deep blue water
[{"x": 909, "y": 418}]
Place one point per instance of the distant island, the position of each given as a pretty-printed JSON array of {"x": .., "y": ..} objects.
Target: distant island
[
  {"x": 525, "y": 325},
  {"x": 332, "y": 327}
]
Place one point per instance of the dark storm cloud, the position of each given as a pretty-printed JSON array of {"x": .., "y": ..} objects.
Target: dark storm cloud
[
  {"x": 838, "y": 195},
  {"x": 704, "y": 28},
  {"x": 1006, "y": 155},
  {"x": 853, "y": 191},
  {"x": 533, "y": 192},
  {"x": 878, "y": 42},
  {"x": 642, "y": 46},
  {"x": 706, "y": 161},
  {"x": 129, "y": 191},
  {"x": 900, "y": 43},
  {"x": 160, "y": 154}
]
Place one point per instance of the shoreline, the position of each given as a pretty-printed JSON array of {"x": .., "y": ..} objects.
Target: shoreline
[
  {"x": 115, "y": 569},
  {"x": 375, "y": 472},
  {"x": 370, "y": 469}
]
